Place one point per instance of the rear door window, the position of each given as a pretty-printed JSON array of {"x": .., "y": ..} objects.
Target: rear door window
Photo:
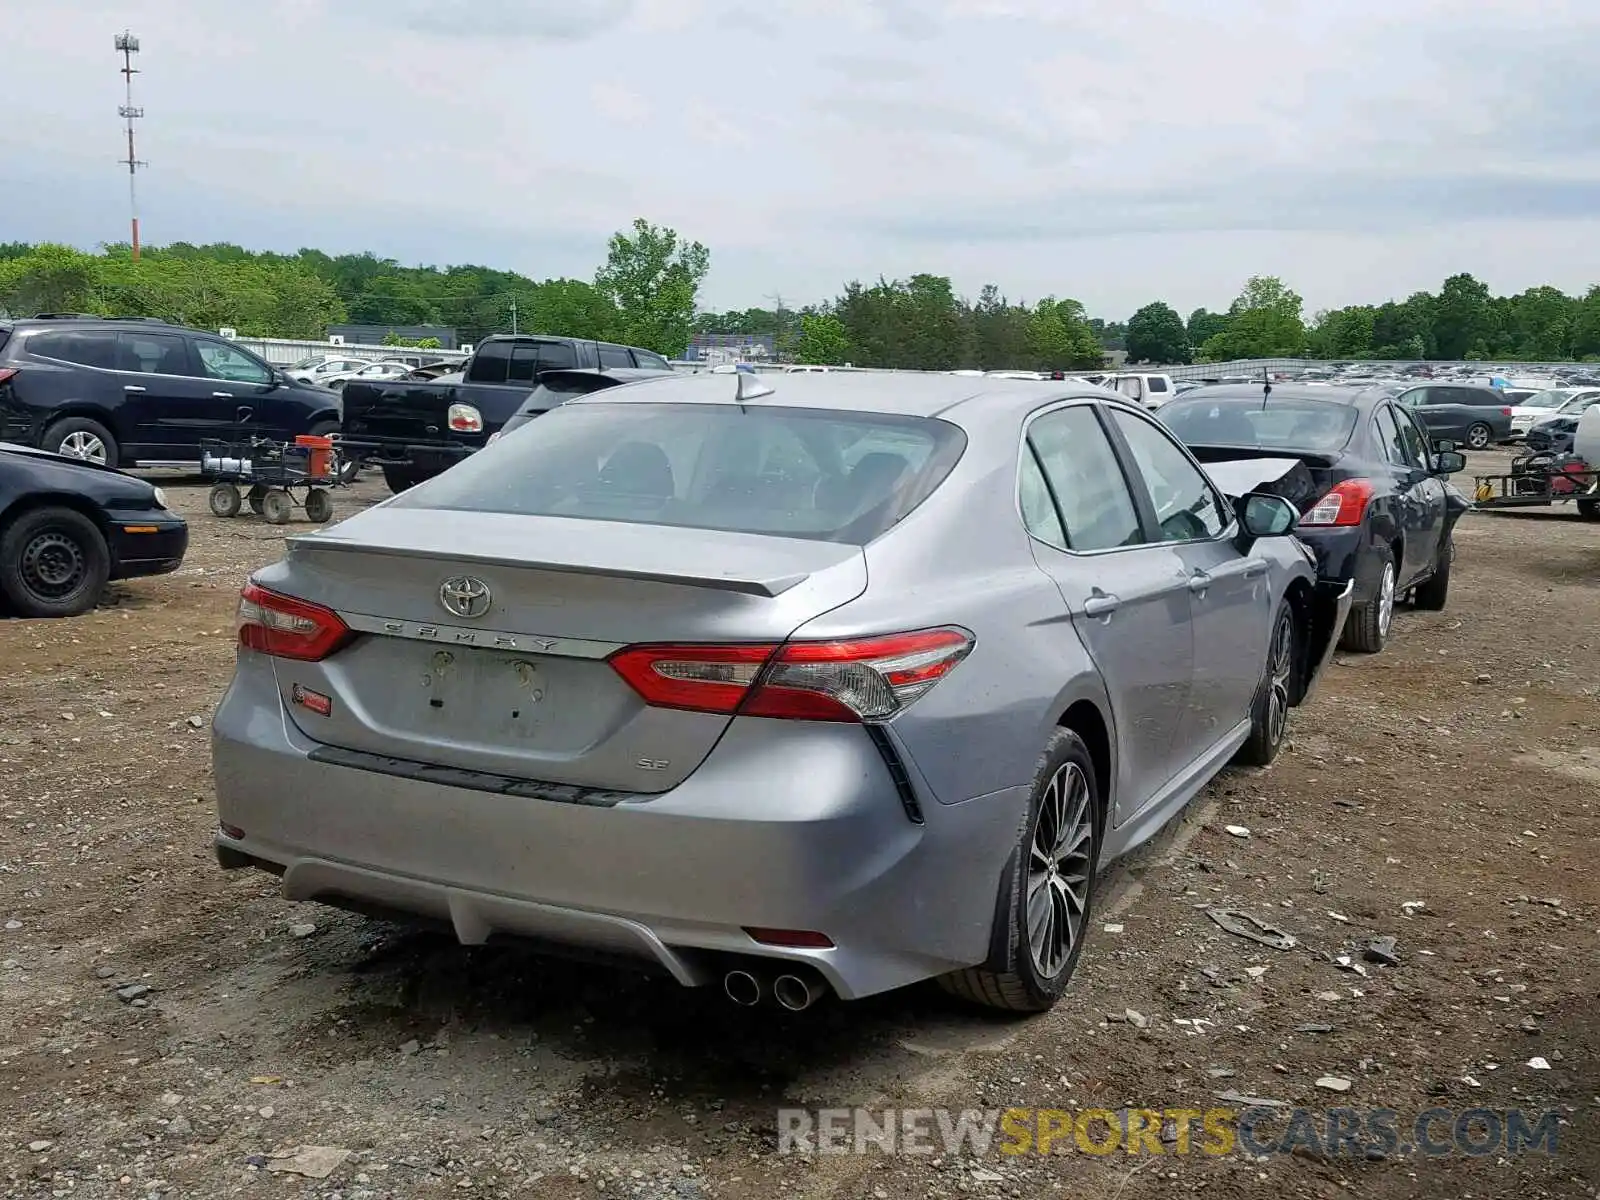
[
  {"x": 1091, "y": 493},
  {"x": 1386, "y": 429},
  {"x": 803, "y": 473},
  {"x": 153, "y": 354}
]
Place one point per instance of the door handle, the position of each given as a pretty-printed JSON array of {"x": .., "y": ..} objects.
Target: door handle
[
  {"x": 1199, "y": 582},
  {"x": 132, "y": 387},
  {"x": 1255, "y": 568},
  {"x": 223, "y": 395},
  {"x": 1101, "y": 605}
]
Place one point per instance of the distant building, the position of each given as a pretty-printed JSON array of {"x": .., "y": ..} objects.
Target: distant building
[
  {"x": 373, "y": 335},
  {"x": 717, "y": 348}
]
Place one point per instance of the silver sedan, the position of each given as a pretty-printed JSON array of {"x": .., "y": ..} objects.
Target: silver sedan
[{"x": 820, "y": 687}]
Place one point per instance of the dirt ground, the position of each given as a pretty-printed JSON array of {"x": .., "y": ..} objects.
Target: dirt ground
[{"x": 1460, "y": 769}]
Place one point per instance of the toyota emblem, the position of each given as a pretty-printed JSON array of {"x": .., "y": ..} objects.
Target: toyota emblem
[{"x": 463, "y": 596}]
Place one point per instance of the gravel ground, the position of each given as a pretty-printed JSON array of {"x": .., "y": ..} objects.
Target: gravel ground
[{"x": 167, "y": 1028}]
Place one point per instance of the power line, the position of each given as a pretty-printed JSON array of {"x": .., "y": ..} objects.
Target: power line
[{"x": 128, "y": 46}]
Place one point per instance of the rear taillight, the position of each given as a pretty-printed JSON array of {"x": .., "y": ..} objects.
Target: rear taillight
[
  {"x": 861, "y": 679},
  {"x": 6, "y": 373},
  {"x": 1346, "y": 504},
  {"x": 1505, "y": 412},
  {"x": 463, "y": 418},
  {"x": 286, "y": 627}
]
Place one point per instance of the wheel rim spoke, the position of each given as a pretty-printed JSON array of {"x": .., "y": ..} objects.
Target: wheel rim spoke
[{"x": 1061, "y": 859}]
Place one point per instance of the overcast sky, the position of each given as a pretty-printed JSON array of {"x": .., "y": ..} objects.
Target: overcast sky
[{"x": 1120, "y": 153}]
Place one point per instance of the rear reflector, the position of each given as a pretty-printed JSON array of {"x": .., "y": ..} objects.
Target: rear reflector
[
  {"x": 861, "y": 679},
  {"x": 313, "y": 701},
  {"x": 287, "y": 627},
  {"x": 798, "y": 939},
  {"x": 1346, "y": 504},
  {"x": 6, "y": 373}
]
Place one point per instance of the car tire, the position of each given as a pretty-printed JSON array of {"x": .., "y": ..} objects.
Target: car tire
[
  {"x": 401, "y": 479},
  {"x": 1589, "y": 508},
  {"x": 1269, "y": 711},
  {"x": 1433, "y": 593},
  {"x": 53, "y": 563},
  {"x": 1366, "y": 631},
  {"x": 83, "y": 439},
  {"x": 277, "y": 507},
  {"x": 1479, "y": 436},
  {"x": 1061, "y": 829}
]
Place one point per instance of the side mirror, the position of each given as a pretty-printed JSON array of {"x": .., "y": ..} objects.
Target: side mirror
[
  {"x": 1443, "y": 445},
  {"x": 1448, "y": 462},
  {"x": 1262, "y": 514}
]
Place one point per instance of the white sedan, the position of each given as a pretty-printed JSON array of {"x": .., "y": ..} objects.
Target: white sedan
[{"x": 1543, "y": 406}]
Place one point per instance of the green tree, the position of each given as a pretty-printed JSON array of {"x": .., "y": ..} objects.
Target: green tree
[
  {"x": 822, "y": 340},
  {"x": 1263, "y": 322},
  {"x": 1205, "y": 325},
  {"x": 653, "y": 278},
  {"x": 48, "y": 278},
  {"x": 1059, "y": 337},
  {"x": 1156, "y": 334},
  {"x": 1342, "y": 332},
  {"x": 1463, "y": 320}
]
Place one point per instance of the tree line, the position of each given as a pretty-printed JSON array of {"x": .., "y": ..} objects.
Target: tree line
[
  {"x": 646, "y": 293},
  {"x": 642, "y": 295}
]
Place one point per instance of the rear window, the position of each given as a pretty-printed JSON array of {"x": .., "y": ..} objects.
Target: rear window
[
  {"x": 805, "y": 473},
  {"x": 1310, "y": 425},
  {"x": 652, "y": 362}
]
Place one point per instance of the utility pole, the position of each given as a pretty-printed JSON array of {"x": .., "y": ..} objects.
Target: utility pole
[
  {"x": 513, "y": 315},
  {"x": 128, "y": 46}
]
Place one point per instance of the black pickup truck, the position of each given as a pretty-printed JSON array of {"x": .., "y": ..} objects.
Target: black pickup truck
[{"x": 415, "y": 430}]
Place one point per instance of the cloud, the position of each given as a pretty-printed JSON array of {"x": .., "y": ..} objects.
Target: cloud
[
  {"x": 565, "y": 20},
  {"x": 1154, "y": 148}
]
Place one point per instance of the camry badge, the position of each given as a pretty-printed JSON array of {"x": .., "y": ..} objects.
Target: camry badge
[{"x": 464, "y": 596}]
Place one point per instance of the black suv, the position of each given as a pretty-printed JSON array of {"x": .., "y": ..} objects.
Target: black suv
[{"x": 136, "y": 391}]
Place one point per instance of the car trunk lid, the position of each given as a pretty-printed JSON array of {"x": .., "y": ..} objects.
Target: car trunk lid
[{"x": 523, "y": 688}]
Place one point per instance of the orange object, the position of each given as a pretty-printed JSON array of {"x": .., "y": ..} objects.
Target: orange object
[{"x": 321, "y": 457}]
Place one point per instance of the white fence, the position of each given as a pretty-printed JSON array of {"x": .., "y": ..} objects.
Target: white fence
[{"x": 283, "y": 351}]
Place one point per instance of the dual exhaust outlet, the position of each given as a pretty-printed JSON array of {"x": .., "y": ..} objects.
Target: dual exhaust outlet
[{"x": 794, "y": 991}]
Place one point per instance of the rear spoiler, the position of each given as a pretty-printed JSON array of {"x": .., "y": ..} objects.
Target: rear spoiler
[{"x": 746, "y": 564}]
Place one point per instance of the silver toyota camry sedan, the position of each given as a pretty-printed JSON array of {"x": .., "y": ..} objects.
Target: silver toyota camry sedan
[{"x": 824, "y": 686}]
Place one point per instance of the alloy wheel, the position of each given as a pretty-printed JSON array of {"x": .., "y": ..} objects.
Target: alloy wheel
[
  {"x": 1386, "y": 600},
  {"x": 1478, "y": 437},
  {"x": 83, "y": 445},
  {"x": 1282, "y": 666},
  {"x": 1060, "y": 869}
]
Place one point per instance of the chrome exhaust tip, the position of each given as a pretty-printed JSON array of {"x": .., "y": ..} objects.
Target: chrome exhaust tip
[
  {"x": 796, "y": 992},
  {"x": 743, "y": 988}
]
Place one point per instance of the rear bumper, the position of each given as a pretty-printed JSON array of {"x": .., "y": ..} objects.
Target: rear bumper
[
  {"x": 748, "y": 841},
  {"x": 140, "y": 546},
  {"x": 431, "y": 457},
  {"x": 1339, "y": 554},
  {"x": 1332, "y": 604}
]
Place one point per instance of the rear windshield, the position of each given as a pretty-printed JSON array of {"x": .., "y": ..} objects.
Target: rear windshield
[
  {"x": 817, "y": 474},
  {"x": 1312, "y": 425}
]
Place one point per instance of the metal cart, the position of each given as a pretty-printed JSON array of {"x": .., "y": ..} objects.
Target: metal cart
[
  {"x": 270, "y": 474},
  {"x": 1536, "y": 480}
]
